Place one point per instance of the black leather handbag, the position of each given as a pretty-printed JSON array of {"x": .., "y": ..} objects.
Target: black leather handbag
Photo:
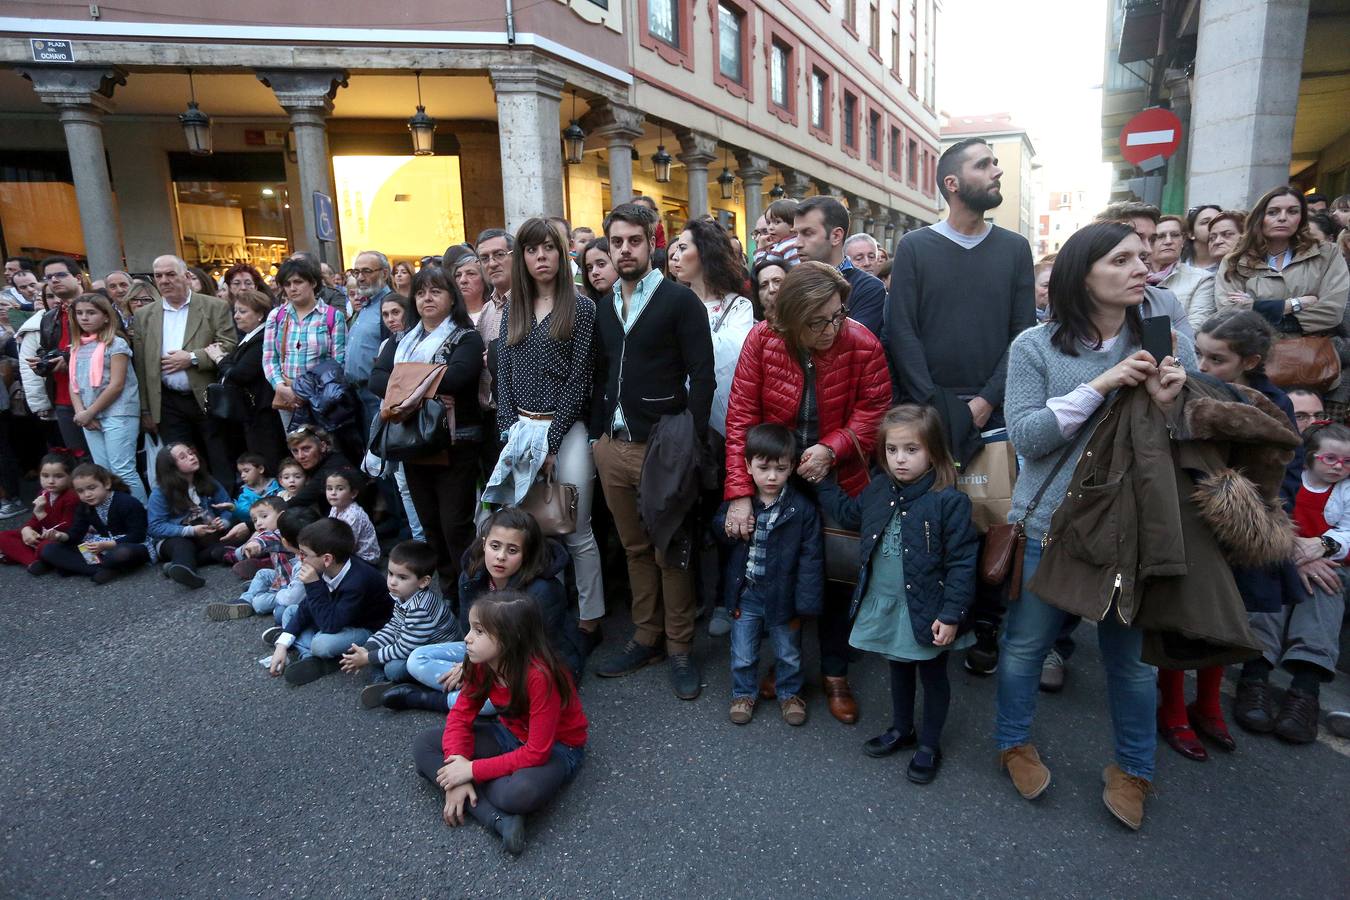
[
  {"x": 423, "y": 433},
  {"x": 228, "y": 402}
]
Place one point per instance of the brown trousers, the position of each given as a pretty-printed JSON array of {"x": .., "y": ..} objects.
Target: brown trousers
[{"x": 663, "y": 598}]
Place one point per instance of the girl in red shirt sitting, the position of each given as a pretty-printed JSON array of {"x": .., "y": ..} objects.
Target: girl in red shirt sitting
[
  {"x": 499, "y": 770},
  {"x": 53, "y": 510}
]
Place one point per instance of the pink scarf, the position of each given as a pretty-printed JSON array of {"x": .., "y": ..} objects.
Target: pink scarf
[
  {"x": 95, "y": 364},
  {"x": 1157, "y": 278}
]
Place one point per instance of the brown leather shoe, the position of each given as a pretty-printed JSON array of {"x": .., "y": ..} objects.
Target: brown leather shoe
[
  {"x": 767, "y": 691},
  {"x": 1124, "y": 795},
  {"x": 794, "y": 710},
  {"x": 1029, "y": 775},
  {"x": 842, "y": 705}
]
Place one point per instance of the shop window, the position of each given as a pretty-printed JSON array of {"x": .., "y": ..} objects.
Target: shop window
[
  {"x": 232, "y": 208},
  {"x": 38, "y": 212},
  {"x": 408, "y": 206}
]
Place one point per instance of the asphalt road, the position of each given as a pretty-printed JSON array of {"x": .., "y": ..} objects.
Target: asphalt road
[{"x": 149, "y": 755}]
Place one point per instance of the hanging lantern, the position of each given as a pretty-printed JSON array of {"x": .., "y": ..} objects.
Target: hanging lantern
[
  {"x": 661, "y": 163},
  {"x": 726, "y": 181},
  {"x": 574, "y": 138},
  {"x": 421, "y": 126},
  {"x": 196, "y": 124},
  {"x": 777, "y": 192}
]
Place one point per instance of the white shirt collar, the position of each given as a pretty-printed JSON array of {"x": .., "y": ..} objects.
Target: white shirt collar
[
  {"x": 170, "y": 308},
  {"x": 337, "y": 579}
]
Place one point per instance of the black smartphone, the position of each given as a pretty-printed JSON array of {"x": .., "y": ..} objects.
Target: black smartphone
[{"x": 1157, "y": 337}]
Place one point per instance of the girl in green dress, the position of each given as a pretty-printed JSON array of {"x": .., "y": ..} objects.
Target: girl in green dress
[{"x": 916, "y": 580}]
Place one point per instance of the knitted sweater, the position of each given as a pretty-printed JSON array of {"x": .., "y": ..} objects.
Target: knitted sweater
[
  {"x": 424, "y": 618},
  {"x": 1037, "y": 372}
]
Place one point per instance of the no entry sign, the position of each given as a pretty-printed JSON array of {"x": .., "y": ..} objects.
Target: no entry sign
[{"x": 1152, "y": 133}]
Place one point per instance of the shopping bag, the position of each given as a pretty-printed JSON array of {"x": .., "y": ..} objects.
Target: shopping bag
[
  {"x": 152, "y": 445},
  {"x": 988, "y": 481}
]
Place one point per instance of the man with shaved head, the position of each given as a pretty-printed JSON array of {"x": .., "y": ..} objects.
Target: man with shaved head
[{"x": 169, "y": 342}]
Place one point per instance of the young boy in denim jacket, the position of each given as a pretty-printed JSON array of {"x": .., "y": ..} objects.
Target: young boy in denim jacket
[
  {"x": 345, "y": 602},
  {"x": 273, "y": 587},
  {"x": 774, "y": 578}
]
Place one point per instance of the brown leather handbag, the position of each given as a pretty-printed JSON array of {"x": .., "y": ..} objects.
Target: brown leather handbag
[
  {"x": 1304, "y": 362},
  {"x": 841, "y": 545},
  {"x": 553, "y": 505},
  {"x": 410, "y": 383},
  {"x": 1005, "y": 546}
]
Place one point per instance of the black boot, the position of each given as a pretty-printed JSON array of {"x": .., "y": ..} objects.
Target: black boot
[
  {"x": 511, "y": 829},
  {"x": 414, "y": 696}
]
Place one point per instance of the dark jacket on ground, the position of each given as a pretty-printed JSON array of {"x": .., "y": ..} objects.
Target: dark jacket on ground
[
  {"x": 866, "y": 298},
  {"x": 548, "y": 592},
  {"x": 940, "y": 543},
  {"x": 645, "y": 370},
  {"x": 361, "y": 601},
  {"x": 794, "y": 578},
  {"x": 1160, "y": 506},
  {"x": 126, "y": 521}
]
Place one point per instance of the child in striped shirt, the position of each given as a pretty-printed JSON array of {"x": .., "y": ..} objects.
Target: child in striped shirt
[{"x": 421, "y": 617}]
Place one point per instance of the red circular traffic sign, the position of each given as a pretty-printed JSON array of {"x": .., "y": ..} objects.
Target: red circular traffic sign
[{"x": 1153, "y": 132}]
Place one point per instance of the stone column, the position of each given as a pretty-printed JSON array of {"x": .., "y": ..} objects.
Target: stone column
[
  {"x": 618, "y": 126},
  {"x": 858, "y": 211},
  {"x": 752, "y": 171},
  {"x": 529, "y": 102},
  {"x": 307, "y": 96},
  {"x": 796, "y": 183},
  {"x": 697, "y": 152},
  {"x": 1248, "y": 64},
  {"x": 81, "y": 96}
]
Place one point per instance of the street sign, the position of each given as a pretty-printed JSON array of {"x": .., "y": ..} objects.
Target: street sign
[
  {"x": 325, "y": 226},
  {"x": 47, "y": 50},
  {"x": 1152, "y": 135}
]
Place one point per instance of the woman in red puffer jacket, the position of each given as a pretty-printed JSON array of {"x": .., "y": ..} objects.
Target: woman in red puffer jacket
[{"x": 824, "y": 376}]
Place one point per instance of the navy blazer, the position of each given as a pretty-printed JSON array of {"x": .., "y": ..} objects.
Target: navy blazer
[
  {"x": 361, "y": 600},
  {"x": 794, "y": 578},
  {"x": 941, "y": 546},
  {"x": 126, "y": 521}
]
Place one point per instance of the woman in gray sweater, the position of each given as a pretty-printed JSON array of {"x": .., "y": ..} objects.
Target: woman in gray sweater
[{"x": 1059, "y": 374}]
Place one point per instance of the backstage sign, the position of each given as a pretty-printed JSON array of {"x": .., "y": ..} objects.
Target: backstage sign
[{"x": 48, "y": 51}]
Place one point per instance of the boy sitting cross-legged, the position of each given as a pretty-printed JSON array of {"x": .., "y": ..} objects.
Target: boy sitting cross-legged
[
  {"x": 421, "y": 617},
  {"x": 273, "y": 587},
  {"x": 345, "y": 602}
]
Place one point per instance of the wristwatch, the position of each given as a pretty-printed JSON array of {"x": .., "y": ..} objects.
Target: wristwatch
[
  {"x": 1295, "y": 305},
  {"x": 1330, "y": 546},
  {"x": 192, "y": 358}
]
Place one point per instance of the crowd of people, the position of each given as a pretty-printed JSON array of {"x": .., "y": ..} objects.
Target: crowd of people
[{"x": 532, "y": 429}]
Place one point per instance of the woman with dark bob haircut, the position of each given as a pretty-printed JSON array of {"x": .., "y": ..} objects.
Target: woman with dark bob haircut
[
  {"x": 443, "y": 485},
  {"x": 1059, "y": 374}
]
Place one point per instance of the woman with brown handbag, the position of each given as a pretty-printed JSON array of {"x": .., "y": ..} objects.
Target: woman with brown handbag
[
  {"x": 443, "y": 484},
  {"x": 1299, "y": 285}
]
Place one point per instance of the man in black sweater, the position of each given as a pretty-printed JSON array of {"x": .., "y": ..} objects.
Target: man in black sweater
[
  {"x": 961, "y": 290},
  {"x": 654, "y": 358},
  {"x": 821, "y": 225}
]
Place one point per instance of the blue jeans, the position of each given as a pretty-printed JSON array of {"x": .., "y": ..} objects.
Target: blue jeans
[
  {"x": 746, "y": 630},
  {"x": 570, "y": 757},
  {"x": 1030, "y": 630},
  {"x": 113, "y": 446},
  {"x": 394, "y": 670},
  {"x": 323, "y": 644},
  {"x": 259, "y": 593},
  {"x": 428, "y": 663}
]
